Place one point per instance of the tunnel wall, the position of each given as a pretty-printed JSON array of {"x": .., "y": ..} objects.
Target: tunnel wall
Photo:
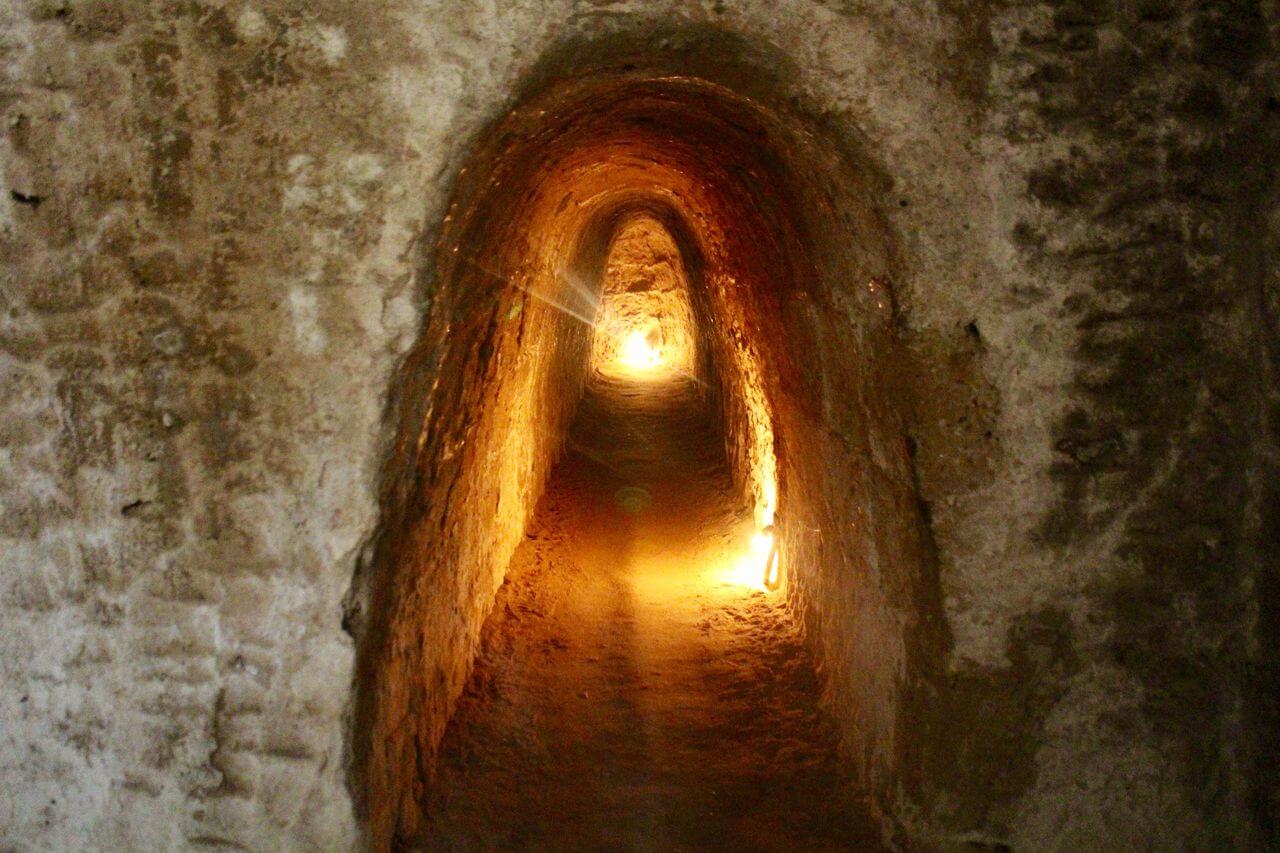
[
  {"x": 212, "y": 238},
  {"x": 481, "y": 408}
]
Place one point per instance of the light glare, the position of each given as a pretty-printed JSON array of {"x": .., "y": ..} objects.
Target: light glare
[
  {"x": 758, "y": 567},
  {"x": 637, "y": 353},
  {"x": 761, "y": 543}
]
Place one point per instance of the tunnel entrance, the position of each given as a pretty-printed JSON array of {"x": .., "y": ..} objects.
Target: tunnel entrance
[{"x": 654, "y": 362}]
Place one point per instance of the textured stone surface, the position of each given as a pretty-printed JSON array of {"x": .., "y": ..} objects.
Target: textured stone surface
[{"x": 218, "y": 241}]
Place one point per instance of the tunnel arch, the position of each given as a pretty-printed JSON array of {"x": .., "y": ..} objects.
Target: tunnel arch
[{"x": 789, "y": 260}]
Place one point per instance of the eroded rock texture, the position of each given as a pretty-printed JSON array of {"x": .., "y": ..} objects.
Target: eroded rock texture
[{"x": 993, "y": 287}]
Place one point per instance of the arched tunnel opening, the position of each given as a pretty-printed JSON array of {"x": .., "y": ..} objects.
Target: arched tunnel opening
[{"x": 651, "y": 567}]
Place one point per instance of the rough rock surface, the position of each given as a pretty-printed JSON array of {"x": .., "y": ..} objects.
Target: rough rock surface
[{"x": 217, "y": 231}]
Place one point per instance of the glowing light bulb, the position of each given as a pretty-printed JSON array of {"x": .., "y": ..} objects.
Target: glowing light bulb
[{"x": 638, "y": 353}]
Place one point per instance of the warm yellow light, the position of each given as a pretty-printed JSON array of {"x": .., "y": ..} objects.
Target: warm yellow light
[
  {"x": 772, "y": 567},
  {"x": 762, "y": 543},
  {"x": 745, "y": 572},
  {"x": 758, "y": 568},
  {"x": 637, "y": 353}
]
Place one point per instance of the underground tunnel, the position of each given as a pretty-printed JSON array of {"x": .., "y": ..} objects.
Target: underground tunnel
[
  {"x": 651, "y": 424},
  {"x": 639, "y": 400}
]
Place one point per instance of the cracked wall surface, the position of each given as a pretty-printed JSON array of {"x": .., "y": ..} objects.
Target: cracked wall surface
[{"x": 217, "y": 231}]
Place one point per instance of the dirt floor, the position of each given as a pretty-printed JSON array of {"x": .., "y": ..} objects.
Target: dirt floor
[{"x": 634, "y": 691}]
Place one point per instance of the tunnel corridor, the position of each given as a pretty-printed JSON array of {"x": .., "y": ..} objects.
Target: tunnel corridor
[
  {"x": 640, "y": 424},
  {"x": 636, "y": 688},
  {"x": 636, "y": 403}
]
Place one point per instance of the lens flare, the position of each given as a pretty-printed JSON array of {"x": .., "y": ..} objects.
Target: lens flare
[{"x": 633, "y": 499}]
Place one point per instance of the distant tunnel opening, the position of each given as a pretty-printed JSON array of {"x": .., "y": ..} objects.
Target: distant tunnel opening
[
  {"x": 628, "y": 226},
  {"x": 645, "y": 327}
]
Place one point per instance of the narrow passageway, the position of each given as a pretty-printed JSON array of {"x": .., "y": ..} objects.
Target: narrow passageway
[
  {"x": 712, "y": 268},
  {"x": 635, "y": 690}
]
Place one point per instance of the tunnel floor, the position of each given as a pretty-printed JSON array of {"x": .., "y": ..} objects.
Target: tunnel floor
[{"x": 629, "y": 693}]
